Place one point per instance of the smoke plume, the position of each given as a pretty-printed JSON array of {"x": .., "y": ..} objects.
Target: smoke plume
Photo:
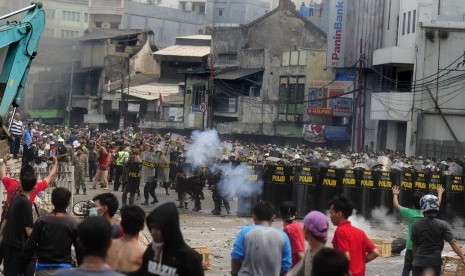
[
  {"x": 204, "y": 148},
  {"x": 236, "y": 181}
]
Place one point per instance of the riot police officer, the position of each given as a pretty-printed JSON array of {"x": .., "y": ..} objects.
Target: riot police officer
[{"x": 218, "y": 198}]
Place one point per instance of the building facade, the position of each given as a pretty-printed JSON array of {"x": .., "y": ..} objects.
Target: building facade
[{"x": 420, "y": 68}]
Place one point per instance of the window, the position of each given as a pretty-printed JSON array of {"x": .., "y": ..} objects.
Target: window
[
  {"x": 408, "y": 24},
  {"x": 98, "y": 24},
  {"x": 220, "y": 12},
  {"x": 71, "y": 16},
  {"x": 291, "y": 94},
  {"x": 198, "y": 94},
  {"x": 114, "y": 25},
  {"x": 202, "y": 8},
  {"x": 403, "y": 24},
  {"x": 414, "y": 20},
  {"x": 86, "y": 17}
]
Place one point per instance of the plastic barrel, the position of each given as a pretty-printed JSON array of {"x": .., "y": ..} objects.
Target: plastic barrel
[
  {"x": 384, "y": 183},
  {"x": 406, "y": 186},
  {"x": 277, "y": 186},
  {"x": 245, "y": 203},
  {"x": 453, "y": 197},
  {"x": 350, "y": 182},
  {"x": 329, "y": 186},
  {"x": 369, "y": 193},
  {"x": 304, "y": 193}
]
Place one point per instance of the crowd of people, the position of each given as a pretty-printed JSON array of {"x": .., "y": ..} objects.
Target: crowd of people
[{"x": 125, "y": 159}]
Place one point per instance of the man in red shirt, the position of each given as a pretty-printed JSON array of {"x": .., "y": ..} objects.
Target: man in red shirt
[
  {"x": 102, "y": 169},
  {"x": 13, "y": 188},
  {"x": 293, "y": 230},
  {"x": 350, "y": 240}
]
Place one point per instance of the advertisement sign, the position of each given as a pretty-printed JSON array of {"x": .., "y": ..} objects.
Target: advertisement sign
[
  {"x": 323, "y": 98},
  {"x": 342, "y": 107},
  {"x": 336, "y": 33}
]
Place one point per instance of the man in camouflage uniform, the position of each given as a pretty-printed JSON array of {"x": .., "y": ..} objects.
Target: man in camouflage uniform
[{"x": 80, "y": 163}]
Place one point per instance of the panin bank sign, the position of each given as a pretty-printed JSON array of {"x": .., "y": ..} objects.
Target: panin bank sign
[{"x": 336, "y": 35}]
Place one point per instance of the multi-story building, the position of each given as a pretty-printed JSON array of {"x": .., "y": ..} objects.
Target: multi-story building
[
  {"x": 66, "y": 19},
  {"x": 420, "y": 66},
  {"x": 168, "y": 22},
  {"x": 110, "y": 62},
  {"x": 259, "y": 81}
]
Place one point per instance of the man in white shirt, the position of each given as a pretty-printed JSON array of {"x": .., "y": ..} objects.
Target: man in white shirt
[{"x": 16, "y": 130}]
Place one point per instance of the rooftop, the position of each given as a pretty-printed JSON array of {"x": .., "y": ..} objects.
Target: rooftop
[{"x": 102, "y": 34}]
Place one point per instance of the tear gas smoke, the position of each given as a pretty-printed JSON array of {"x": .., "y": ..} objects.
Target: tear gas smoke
[
  {"x": 383, "y": 219},
  {"x": 360, "y": 222},
  {"x": 204, "y": 148},
  {"x": 236, "y": 181}
]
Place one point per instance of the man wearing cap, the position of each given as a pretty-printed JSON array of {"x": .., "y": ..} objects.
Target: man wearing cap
[
  {"x": 316, "y": 228},
  {"x": 62, "y": 153},
  {"x": 428, "y": 236},
  {"x": 293, "y": 230},
  {"x": 350, "y": 240}
]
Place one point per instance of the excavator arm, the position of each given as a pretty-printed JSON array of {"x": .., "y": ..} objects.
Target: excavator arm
[{"x": 22, "y": 39}]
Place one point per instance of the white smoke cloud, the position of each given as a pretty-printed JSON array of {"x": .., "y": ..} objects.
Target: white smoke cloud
[
  {"x": 381, "y": 217},
  {"x": 235, "y": 181},
  {"x": 205, "y": 147},
  {"x": 360, "y": 222}
]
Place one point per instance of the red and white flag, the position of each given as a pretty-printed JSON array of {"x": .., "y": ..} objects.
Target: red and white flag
[{"x": 160, "y": 100}]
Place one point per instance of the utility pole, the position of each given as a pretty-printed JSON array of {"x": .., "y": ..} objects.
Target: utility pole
[
  {"x": 211, "y": 96},
  {"x": 70, "y": 95},
  {"x": 121, "y": 118},
  {"x": 359, "y": 109}
]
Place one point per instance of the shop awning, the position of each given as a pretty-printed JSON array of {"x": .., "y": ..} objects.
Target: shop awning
[
  {"x": 336, "y": 133},
  {"x": 237, "y": 74}
]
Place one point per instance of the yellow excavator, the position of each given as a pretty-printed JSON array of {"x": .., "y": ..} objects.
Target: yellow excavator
[{"x": 19, "y": 41}]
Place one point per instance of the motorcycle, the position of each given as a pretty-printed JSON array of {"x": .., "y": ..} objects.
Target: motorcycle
[{"x": 81, "y": 208}]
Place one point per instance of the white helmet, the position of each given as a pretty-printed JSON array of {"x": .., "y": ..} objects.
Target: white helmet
[
  {"x": 61, "y": 140},
  {"x": 429, "y": 203}
]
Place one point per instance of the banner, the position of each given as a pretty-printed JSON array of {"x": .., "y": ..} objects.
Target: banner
[
  {"x": 336, "y": 33},
  {"x": 313, "y": 133}
]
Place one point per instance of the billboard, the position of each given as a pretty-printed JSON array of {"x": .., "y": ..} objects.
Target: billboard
[
  {"x": 323, "y": 98},
  {"x": 336, "y": 33}
]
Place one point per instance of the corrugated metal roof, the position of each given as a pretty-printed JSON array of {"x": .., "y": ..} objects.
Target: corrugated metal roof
[
  {"x": 184, "y": 51},
  {"x": 101, "y": 34},
  {"x": 196, "y": 37},
  {"x": 239, "y": 73}
]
